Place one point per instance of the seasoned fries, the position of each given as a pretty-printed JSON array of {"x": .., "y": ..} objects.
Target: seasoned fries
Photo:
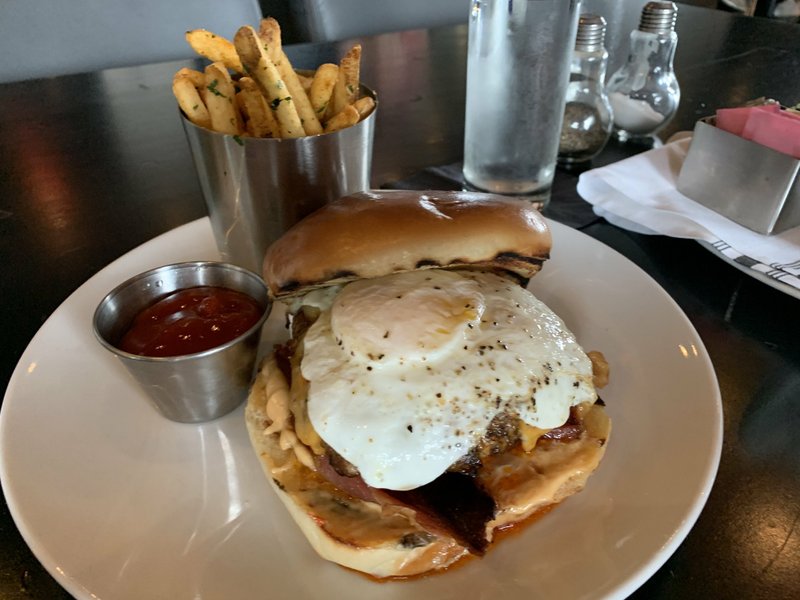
[
  {"x": 260, "y": 122},
  {"x": 266, "y": 75},
  {"x": 270, "y": 34},
  {"x": 184, "y": 87},
  {"x": 220, "y": 99},
  {"x": 310, "y": 122},
  {"x": 305, "y": 81},
  {"x": 196, "y": 77},
  {"x": 251, "y": 88},
  {"x": 214, "y": 48},
  {"x": 349, "y": 116},
  {"x": 346, "y": 89},
  {"x": 322, "y": 88},
  {"x": 364, "y": 106},
  {"x": 270, "y": 37}
]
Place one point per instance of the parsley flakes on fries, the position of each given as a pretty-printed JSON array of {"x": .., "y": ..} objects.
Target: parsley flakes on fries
[{"x": 251, "y": 88}]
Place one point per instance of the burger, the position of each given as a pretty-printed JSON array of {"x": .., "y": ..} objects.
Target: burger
[{"x": 425, "y": 399}]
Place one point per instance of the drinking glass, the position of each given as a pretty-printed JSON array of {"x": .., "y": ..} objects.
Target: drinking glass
[{"x": 517, "y": 74}]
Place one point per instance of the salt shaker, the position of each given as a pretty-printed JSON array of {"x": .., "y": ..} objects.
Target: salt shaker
[
  {"x": 644, "y": 93},
  {"x": 588, "y": 116}
]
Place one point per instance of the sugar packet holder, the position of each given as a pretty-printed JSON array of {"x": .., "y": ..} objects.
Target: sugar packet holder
[{"x": 751, "y": 184}]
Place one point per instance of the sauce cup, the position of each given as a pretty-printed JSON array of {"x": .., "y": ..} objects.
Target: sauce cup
[{"x": 189, "y": 388}]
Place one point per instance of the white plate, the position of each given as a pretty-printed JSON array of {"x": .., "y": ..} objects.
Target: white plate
[
  {"x": 624, "y": 223},
  {"x": 757, "y": 275},
  {"x": 119, "y": 503}
]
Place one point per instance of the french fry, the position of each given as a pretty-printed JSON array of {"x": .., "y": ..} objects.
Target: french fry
[
  {"x": 264, "y": 72},
  {"x": 322, "y": 87},
  {"x": 338, "y": 97},
  {"x": 364, "y": 106},
  {"x": 196, "y": 101},
  {"x": 351, "y": 66},
  {"x": 197, "y": 78},
  {"x": 275, "y": 100},
  {"x": 305, "y": 81},
  {"x": 269, "y": 32},
  {"x": 270, "y": 36},
  {"x": 215, "y": 48},
  {"x": 219, "y": 97},
  {"x": 346, "y": 89},
  {"x": 189, "y": 100},
  {"x": 260, "y": 120},
  {"x": 348, "y": 117},
  {"x": 305, "y": 111}
]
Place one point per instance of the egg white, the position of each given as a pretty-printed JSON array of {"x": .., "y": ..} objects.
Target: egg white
[{"x": 407, "y": 371}]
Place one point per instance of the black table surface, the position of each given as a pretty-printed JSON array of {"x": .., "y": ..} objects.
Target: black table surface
[{"x": 93, "y": 165}]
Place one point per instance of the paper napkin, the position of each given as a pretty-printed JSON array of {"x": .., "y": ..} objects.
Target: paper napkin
[{"x": 640, "y": 194}]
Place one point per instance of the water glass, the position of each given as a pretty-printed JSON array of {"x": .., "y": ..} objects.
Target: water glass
[{"x": 517, "y": 74}]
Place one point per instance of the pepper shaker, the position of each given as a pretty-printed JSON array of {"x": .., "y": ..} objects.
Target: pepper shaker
[
  {"x": 588, "y": 117},
  {"x": 644, "y": 93}
]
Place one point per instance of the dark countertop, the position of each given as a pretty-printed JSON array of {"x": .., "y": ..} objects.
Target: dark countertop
[{"x": 93, "y": 165}]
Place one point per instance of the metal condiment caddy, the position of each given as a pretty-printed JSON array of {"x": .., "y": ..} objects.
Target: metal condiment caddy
[{"x": 750, "y": 184}]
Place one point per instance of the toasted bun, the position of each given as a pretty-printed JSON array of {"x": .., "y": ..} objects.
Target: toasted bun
[
  {"x": 369, "y": 538},
  {"x": 351, "y": 532},
  {"x": 377, "y": 233}
]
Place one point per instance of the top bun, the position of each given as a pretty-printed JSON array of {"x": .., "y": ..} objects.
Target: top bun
[{"x": 377, "y": 233}]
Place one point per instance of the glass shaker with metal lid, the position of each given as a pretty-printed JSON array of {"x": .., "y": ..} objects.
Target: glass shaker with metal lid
[
  {"x": 644, "y": 92},
  {"x": 588, "y": 116}
]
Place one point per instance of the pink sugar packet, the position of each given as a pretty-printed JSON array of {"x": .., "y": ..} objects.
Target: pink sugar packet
[
  {"x": 767, "y": 125},
  {"x": 779, "y": 131},
  {"x": 733, "y": 120}
]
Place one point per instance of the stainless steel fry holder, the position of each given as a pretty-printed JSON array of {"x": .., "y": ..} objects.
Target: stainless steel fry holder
[
  {"x": 257, "y": 188},
  {"x": 753, "y": 185}
]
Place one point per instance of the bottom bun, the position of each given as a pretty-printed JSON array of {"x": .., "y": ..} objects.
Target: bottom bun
[{"x": 383, "y": 540}]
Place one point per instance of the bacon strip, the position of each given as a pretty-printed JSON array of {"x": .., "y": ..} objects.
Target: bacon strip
[
  {"x": 452, "y": 505},
  {"x": 354, "y": 486},
  {"x": 571, "y": 430},
  {"x": 455, "y": 502}
]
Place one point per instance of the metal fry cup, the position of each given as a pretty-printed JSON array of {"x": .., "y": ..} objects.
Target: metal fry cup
[
  {"x": 190, "y": 388},
  {"x": 257, "y": 188}
]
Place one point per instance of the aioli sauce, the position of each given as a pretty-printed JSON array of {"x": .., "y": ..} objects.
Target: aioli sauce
[{"x": 189, "y": 321}]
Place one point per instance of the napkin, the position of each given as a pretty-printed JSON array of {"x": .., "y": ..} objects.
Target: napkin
[{"x": 640, "y": 194}]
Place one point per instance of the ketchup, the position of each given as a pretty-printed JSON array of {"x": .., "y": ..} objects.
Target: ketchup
[{"x": 189, "y": 321}]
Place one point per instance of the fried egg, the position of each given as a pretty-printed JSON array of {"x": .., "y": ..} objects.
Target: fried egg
[{"x": 407, "y": 371}]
